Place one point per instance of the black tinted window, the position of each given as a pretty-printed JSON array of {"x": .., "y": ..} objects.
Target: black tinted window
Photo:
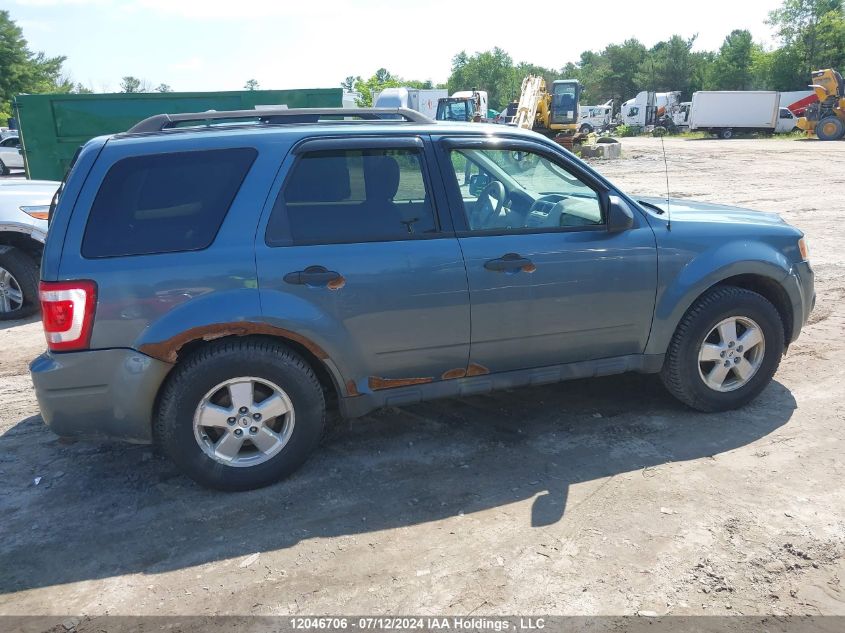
[
  {"x": 162, "y": 203},
  {"x": 352, "y": 196}
]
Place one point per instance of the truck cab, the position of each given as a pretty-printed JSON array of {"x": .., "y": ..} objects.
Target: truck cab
[
  {"x": 565, "y": 96},
  {"x": 463, "y": 105},
  {"x": 595, "y": 117}
]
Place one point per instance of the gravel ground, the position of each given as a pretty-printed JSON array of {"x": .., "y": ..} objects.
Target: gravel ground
[{"x": 590, "y": 497}]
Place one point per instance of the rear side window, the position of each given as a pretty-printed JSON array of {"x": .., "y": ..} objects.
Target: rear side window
[
  {"x": 333, "y": 197},
  {"x": 164, "y": 203}
]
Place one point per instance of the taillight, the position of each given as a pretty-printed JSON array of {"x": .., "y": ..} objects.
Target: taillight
[{"x": 67, "y": 312}]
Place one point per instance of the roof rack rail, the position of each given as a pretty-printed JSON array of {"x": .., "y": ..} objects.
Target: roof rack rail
[{"x": 161, "y": 122}]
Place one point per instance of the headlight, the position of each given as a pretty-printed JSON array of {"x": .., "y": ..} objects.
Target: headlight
[
  {"x": 39, "y": 212},
  {"x": 804, "y": 249}
]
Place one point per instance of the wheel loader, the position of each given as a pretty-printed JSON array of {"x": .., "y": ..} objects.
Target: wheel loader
[{"x": 826, "y": 118}]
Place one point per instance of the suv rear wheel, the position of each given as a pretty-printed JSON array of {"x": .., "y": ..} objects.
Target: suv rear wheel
[
  {"x": 241, "y": 415},
  {"x": 725, "y": 350},
  {"x": 18, "y": 284}
]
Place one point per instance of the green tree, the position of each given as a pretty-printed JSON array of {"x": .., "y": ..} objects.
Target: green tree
[
  {"x": 812, "y": 32},
  {"x": 22, "y": 70},
  {"x": 733, "y": 67},
  {"x": 670, "y": 66},
  {"x": 130, "y": 84},
  {"x": 491, "y": 70},
  {"x": 618, "y": 69},
  {"x": 163, "y": 88},
  {"x": 251, "y": 84},
  {"x": 611, "y": 74},
  {"x": 380, "y": 80},
  {"x": 348, "y": 84}
]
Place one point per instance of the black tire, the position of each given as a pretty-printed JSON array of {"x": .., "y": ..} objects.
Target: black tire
[
  {"x": 726, "y": 134},
  {"x": 191, "y": 381},
  {"x": 680, "y": 373},
  {"x": 830, "y": 128},
  {"x": 586, "y": 128},
  {"x": 24, "y": 270},
  {"x": 4, "y": 171}
]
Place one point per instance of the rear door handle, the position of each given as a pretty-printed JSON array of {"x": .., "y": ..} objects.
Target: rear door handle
[
  {"x": 512, "y": 262},
  {"x": 315, "y": 276}
]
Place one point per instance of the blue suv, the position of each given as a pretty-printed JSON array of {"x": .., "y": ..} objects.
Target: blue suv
[{"x": 212, "y": 282}]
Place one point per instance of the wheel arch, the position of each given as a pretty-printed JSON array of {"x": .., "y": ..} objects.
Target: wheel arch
[
  {"x": 771, "y": 290},
  {"x": 761, "y": 276},
  {"x": 23, "y": 241},
  {"x": 320, "y": 365},
  {"x": 325, "y": 371}
]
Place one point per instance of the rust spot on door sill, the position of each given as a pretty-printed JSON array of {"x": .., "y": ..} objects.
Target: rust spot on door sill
[
  {"x": 477, "y": 370},
  {"x": 168, "y": 350},
  {"x": 375, "y": 382},
  {"x": 473, "y": 370}
]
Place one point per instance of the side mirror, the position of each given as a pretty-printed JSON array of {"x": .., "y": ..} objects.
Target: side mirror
[
  {"x": 477, "y": 183},
  {"x": 620, "y": 217}
]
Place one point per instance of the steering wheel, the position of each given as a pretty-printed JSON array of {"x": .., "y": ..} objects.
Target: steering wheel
[{"x": 487, "y": 211}]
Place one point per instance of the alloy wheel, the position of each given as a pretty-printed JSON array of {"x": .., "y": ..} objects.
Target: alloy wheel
[
  {"x": 11, "y": 296},
  {"x": 244, "y": 421},
  {"x": 731, "y": 353}
]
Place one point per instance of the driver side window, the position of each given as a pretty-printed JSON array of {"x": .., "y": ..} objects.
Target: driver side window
[{"x": 519, "y": 190}]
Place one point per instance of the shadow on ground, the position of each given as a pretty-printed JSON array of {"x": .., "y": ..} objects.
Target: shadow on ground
[
  {"x": 103, "y": 510},
  {"x": 5, "y": 325}
]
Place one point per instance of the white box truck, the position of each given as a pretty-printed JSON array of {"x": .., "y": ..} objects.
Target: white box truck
[
  {"x": 422, "y": 100},
  {"x": 726, "y": 112}
]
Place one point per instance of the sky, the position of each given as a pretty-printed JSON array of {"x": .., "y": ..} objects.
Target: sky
[{"x": 214, "y": 45}]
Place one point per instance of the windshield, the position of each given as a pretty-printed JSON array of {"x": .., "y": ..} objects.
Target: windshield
[
  {"x": 564, "y": 97},
  {"x": 453, "y": 111}
]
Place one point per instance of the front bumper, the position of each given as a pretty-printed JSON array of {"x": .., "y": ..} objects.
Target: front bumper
[
  {"x": 802, "y": 295},
  {"x": 98, "y": 393}
]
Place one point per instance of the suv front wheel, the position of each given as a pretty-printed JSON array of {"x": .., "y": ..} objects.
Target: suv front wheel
[
  {"x": 725, "y": 350},
  {"x": 240, "y": 415}
]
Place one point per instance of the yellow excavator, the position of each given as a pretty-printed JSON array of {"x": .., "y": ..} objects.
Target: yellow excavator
[
  {"x": 826, "y": 118},
  {"x": 555, "y": 113}
]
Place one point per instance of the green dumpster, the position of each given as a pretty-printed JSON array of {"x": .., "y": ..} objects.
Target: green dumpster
[{"x": 53, "y": 126}]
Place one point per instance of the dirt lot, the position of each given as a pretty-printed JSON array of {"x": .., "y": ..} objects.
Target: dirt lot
[{"x": 592, "y": 497}]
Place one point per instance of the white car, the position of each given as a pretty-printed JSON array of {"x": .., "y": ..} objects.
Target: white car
[
  {"x": 24, "y": 205},
  {"x": 10, "y": 155}
]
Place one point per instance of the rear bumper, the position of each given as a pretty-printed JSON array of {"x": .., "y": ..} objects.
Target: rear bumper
[
  {"x": 99, "y": 393},
  {"x": 802, "y": 294}
]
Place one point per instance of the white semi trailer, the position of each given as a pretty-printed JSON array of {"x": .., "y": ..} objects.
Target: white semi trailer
[
  {"x": 727, "y": 112},
  {"x": 420, "y": 99}
]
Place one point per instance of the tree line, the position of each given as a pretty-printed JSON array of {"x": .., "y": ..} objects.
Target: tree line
[{"x": 810, "y": 36}]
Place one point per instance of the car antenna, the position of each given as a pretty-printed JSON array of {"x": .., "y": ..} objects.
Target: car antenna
[
  {"x": 662, "y": 147},
  {"x": 666, "y": 169}
]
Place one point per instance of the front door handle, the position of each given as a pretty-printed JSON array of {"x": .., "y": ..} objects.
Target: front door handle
[
  {"x": 512, "y": 262},
  {"x": 316, "y": 276}
]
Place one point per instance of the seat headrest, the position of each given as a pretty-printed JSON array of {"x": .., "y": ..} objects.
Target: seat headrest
[
  {"x": 381, "y": 177},
  {"x": 319, "y": 179}
]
